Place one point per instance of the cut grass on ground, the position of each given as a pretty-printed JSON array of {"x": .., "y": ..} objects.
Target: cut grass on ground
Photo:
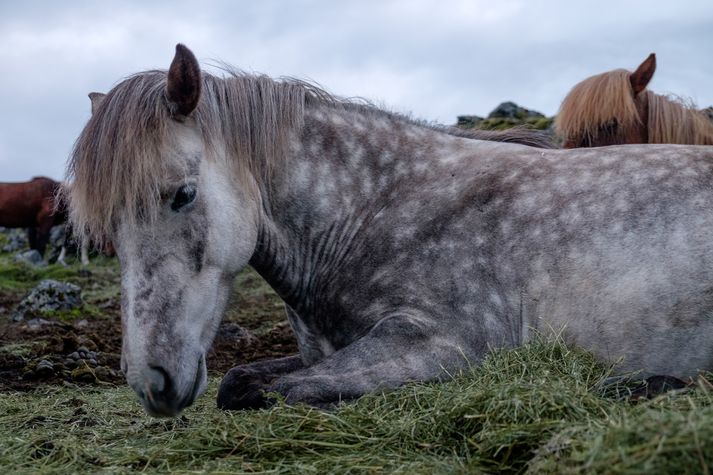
[{"x": 541, "y": 408}]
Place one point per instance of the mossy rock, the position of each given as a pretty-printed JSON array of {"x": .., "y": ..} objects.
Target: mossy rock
[
  {"x": 50, "y": 298},
  {"x": 84, "y": 374}
]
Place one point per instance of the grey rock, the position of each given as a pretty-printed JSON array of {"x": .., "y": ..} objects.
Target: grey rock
[
  {"x": 49, "y": 296},
  {"x": 31, "y": 258},
  {"x": 57, "y": 240},
  {"x": 17, "y": 240},
  {"x": 468, "y": 120},
  {"x": 510, "y": 110},
  {"x": 44, "y": 369},
  {"x": 57, "y": 235},
  {"x": 233, "y": 331},
  {"x": 35, "y": 323}
]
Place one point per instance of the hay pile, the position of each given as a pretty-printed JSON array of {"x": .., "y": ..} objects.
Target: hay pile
[{"x": 541, "y": 408}]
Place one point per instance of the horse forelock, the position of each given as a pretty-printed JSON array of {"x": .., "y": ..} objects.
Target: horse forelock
[
  {"x": 116, "y": 166},
  {"x": 676, "y": 120},
  {"x": 594, "y": 102}
]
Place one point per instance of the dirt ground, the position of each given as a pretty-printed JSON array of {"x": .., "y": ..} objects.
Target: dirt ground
[{"x": 86, "y": 349}]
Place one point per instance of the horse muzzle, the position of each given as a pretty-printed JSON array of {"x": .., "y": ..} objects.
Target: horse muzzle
[{"x": 160, "y": 391}]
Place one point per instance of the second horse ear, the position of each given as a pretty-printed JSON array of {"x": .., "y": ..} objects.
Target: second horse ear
[
  {"x": 183, "y": 86},
  {"x": 96, "y": 98},
  {"x": 642, "y": 76}
]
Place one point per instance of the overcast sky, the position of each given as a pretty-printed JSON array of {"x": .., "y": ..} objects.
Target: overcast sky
[{"x": 434, "y": 59}]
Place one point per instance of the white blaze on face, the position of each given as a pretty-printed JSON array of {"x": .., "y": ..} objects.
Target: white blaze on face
[{"x": 177, "y": 273}]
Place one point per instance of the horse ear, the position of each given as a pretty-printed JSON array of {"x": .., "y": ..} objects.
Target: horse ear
[
  {"x": 96, "y": 98},
  {"x": 643, "y": 74},
  {"x": 183, "y": 87}
]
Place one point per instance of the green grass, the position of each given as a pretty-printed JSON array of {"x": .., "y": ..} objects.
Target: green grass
[
  {"x": 541, "y": 408},
  {"x": 99, "y": 282},
  {"x": 503, "y": 123},
  {"x": 20, "y": 276}
]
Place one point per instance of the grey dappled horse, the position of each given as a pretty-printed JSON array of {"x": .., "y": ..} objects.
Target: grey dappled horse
[{"x": 403, "y": 252}]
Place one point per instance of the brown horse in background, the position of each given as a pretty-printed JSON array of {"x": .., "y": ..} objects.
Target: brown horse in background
[
  {"x": 616, "y": 108},
  {"x": 32, "y": 205}
]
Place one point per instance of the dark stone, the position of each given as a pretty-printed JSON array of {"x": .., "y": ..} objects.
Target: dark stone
[
  {"x": 44, "y": 369},
  {"x": 35, "y": 323},
  {"x": 57, "y": 235},
  {"x": 233, "y": 331},
  {"x": 16, "y": 240},
  {"x": 510, "y": 110},
  {"x": 31, "y": 258},
  {"x": 468, "y": 121}
]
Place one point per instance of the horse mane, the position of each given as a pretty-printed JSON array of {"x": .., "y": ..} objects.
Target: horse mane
[
  {"x": 600, "y": 99},
  {"x": 595, "y": 102},
  {"x": 672, "y": 120},
  {"x": 113, "y": 164}
]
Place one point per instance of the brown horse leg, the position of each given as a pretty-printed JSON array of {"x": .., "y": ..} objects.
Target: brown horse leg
[
  {"x": 43, "y": 235},
  {"x": 32, "y": 237}
]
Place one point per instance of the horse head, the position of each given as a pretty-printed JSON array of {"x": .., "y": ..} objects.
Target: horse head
[
  {"x": 146, "y": 181},
  {"x": 607, "y": 109}
]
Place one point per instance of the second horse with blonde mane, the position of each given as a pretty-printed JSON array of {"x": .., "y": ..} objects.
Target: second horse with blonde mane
[{"x": 615, "y": 108}]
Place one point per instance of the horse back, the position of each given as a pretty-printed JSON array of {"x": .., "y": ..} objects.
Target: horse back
[{"x": 28, "y": 204}]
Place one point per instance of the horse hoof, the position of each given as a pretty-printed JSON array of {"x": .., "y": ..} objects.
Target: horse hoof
[
  {"x": 656, "y": 385},
  {"x": 243, "y": 389}
]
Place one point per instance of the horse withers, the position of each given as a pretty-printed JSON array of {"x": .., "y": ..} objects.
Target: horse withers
[
  {"x": 615, "y": 108},
  {"x": 403, "y": 251},
  {"x": 31, "y": 205}
]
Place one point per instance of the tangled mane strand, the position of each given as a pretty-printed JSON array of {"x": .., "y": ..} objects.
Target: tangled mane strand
[
  {"x": 672, "y": 120},
  {"x": 596, "y": 101},
  {"x": 113, "y": 161},
  {"x": 520, "y": 135}
]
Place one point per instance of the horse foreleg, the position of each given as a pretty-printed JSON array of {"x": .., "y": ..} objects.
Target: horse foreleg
[
  {"x": 32, "y": 237},
  {"x": 62, "y": 254},
  {"x": 43, "y": 236},
  {"x": 397, "y": 350},
  {"x": 242, "y": 386},
  {"x": 85, "y": 252}
]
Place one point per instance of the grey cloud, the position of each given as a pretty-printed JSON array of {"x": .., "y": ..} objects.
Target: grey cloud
[{"x": 434, "y": 59}]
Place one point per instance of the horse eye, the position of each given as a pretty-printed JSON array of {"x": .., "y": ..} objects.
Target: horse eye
[
  {"x": 184, "y": 196},
  {"x": 611, "y": 126}
]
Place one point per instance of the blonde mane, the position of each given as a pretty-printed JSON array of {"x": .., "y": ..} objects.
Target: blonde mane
[
  {"x": 595, "y": 102},
  {"x": 604, "y": 98},
  {"x": 671, "y": 120}
]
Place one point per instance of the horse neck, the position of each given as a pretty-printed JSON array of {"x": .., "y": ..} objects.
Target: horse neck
[{"x": 344, "y": 166}]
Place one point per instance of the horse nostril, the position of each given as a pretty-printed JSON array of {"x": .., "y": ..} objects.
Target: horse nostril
[{"x": 159, "y": 382}]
